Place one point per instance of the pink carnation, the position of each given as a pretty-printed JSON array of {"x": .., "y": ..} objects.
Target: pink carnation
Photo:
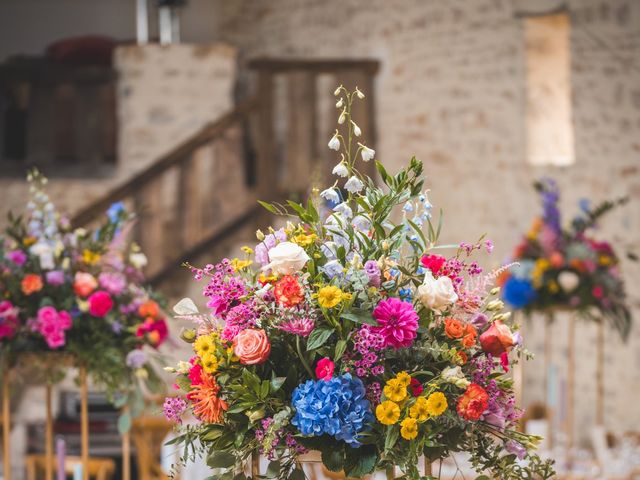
[{"x": 397, "y": 322}]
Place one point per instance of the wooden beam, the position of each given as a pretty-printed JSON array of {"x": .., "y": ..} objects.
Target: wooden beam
[{"x": 326, "y": 65}]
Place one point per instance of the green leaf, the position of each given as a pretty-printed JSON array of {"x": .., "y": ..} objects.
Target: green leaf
[
  {"x": 391, "y": 439},
  {"x": 360, "y": 461},
  {"x": 276, "y": 383},
  {"x": 297, "y": 474},
  {"x": 341, "y": 346},
  {"x": 333, "y": 458},
  {"x": 211, "y": 435},
  {"x": 318, "y": 337},
  {"x": 124, "y": 423},
  {"x": 483, "y": 477},
  {"x": 269, "y": 207},
  {"x": 264, "y": 389},
  {"x": 220, "y": 459},
  {"x": 359, "y": 316},
  {"x": 273, "y": 469}
]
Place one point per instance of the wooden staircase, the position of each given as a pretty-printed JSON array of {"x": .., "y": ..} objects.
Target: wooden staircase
[{"x": 271, "y": 146}]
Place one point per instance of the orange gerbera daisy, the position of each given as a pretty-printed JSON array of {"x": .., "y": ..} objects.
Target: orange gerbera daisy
[{"x": 206, "y": 404}]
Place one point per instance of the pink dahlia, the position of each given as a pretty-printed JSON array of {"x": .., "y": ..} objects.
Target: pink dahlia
[
  {"x": 397, "y": 322},
  {"x": 298, "y": 326}
]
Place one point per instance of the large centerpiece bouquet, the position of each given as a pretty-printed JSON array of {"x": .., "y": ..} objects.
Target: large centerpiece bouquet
[
  {"x": 566, "y": 267},
  {"x": 345, "y": 332},
  {"x": 79, "y": 295}
]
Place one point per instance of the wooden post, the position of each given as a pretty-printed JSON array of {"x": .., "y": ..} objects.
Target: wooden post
[
  {"x": 571, "y": 367},
  {"x": 84, "y": 423},
  {"x": 48, "y": 447},
  {"x": 548, "y": 351},
  {"x": 600, "y": 374},
  {"x": 6, "y": 424},
  {"x": 255, "y": 464},
  {"x": 126, "y": 451},
  {"x": 391, "y": 473},
  {"x": 427, "y": 467}
]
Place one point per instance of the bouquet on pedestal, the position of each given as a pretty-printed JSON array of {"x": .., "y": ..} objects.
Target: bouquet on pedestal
[
  {"x": 347, "y": 333},
  {"x": 79, "y": 293},
  {"x": 567, "y": 267}
]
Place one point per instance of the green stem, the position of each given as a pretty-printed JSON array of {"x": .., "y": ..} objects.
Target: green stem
[{"x": 303, "y": 358}]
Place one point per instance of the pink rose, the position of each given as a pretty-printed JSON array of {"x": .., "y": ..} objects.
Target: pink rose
[
  {"x": 100, "y": 303},
  {"x": 497, "y": 339},
  {"x": 84, "y": 284},
  {"x": 251, "y": 346},
  {"x": 324, "y": 369}
]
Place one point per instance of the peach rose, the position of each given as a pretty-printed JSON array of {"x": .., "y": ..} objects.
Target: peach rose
[
  {"x": 453, "y": 328},
  {"x": 84, "y": 284},
  {"x": 497, "y": 339},
  {"x": 251, "y": 346},
  {"x": 31, "y": 283},
  {"x": 470, "y": 335}
]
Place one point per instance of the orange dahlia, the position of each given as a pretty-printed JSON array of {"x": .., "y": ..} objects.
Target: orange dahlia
[{"x": 207, "y": 405}]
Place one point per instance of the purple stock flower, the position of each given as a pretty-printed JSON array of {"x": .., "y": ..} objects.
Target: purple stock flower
[{"x": 373, "y": 272}]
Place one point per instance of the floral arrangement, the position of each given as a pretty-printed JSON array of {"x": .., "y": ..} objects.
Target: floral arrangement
[
  {"x": 562, "y": 267},
  {"x": 79, "y": 293},
  {"x": 353, "y": 337}
]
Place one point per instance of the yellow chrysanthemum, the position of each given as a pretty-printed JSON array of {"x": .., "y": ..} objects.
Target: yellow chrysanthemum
[
  {"x": 404, "y": 378},
  {"x": 89, "y": 257},
  {"x": 209, "y": 363},
  {"x": 238, "y": 264},
  {"x": 388, "y": 413},
  {"x": 419, "y": 410},
  {"x": 247, "y": 250},
  {"x": 204, "y": 344},
  {"x": 436, "y": 404},
  {"x": 395, "y": 390},
  {"x": 409, "y": 428},
  {"x": 330, "y": 296}
]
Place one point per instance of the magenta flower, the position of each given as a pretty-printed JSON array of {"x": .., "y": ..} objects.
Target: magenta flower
[
  {"x": 324, "y": 369},
  {"x": 298, "y": 326},
  {"x": 17, "y": 256},
  {"x": 52, "y": 325},
  {"x": 397, "y": 322}
]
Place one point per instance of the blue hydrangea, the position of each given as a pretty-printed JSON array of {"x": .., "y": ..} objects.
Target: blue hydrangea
[
  {"x": 518, "y": 292},
  {"x": 335, "y": 407}
]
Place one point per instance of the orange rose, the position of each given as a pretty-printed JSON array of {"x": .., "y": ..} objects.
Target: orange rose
[
  {"x": 470, "y": 335},
  {"x": 149, "y": 309},
  {"x": 473, "y": 402},
  {"x": 453, "y": 328},
  {"x": 497, "y": 339},
  {"x": 251, "y": 346},
  {"x": 462, "y": 355},
  {"x": 84, "y": 284},
  {"x": 31, "y": 283}
]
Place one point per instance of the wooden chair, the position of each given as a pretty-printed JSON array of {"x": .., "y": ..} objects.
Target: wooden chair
[
  {"x": 99, "y": 468},
  {"x": 147, "y": 435}
]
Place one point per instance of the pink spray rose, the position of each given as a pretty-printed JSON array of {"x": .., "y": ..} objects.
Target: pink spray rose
[
  {"x": 251, "y": 346},
  {"x": 324, "y": 369}
]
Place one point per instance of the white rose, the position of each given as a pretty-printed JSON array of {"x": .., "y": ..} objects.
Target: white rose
[
  {"x": 568, "y": 281},
  {"x": 287, "y": 258},
  {"x": 138, "y": 260},
  {"x": 437, "y": 294},
  {"x": 44, "y": 252}
]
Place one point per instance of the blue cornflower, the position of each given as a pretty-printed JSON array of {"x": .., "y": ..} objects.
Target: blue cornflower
[
  {"x": 115, "y": 212},
  {"x": 336, "y": 407},
  {"x": 518, "y": 292}
]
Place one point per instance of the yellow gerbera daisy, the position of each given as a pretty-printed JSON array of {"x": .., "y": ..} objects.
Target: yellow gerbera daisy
[
  {"x": 330, "y": 296},
  {"x": 436, "y": 404},
  {"x": 419, "y": 410},
  {"x": 204, "y": 344},
  {"x": 209, "y": 363},
  {"x": 409, "y": 428},
  {"x": 388, "y": 413},
  {"x": 395, "y": 390}
]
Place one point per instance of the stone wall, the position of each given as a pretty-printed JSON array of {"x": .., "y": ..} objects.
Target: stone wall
[
  {"x": 164, "y": 95},
  {"x": 452, "y": 91}
]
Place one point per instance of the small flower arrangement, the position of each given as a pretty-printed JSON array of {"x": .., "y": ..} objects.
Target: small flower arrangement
[
  {"x": 566, "y": 267},
  {"x": 79, "y": 293},
  {"x": 347, "y": 333}
]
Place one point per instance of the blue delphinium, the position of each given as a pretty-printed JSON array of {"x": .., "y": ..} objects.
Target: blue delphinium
[
  {"x": 115, "y": 212},
  {"x": 335, "y": 407},
  {"x": 518, "y": 292}
]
